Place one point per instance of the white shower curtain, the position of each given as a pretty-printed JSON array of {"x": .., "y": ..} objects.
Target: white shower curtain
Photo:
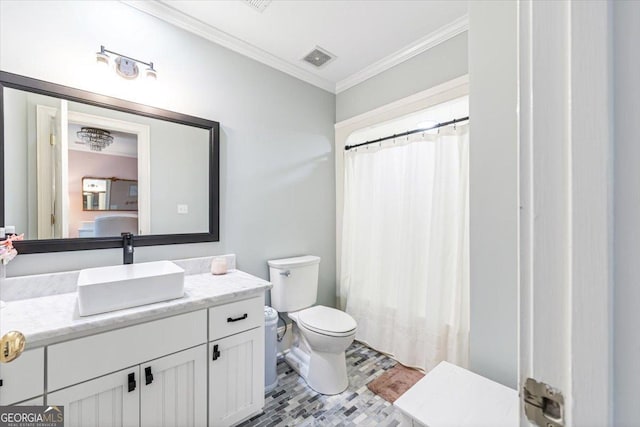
[{"x": 405, "y": 248}]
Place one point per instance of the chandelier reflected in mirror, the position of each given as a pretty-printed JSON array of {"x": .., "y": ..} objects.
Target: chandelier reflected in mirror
[{"x": 96, "y": 139}]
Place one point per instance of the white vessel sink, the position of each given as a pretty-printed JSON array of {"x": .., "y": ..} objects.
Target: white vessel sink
[{"x": 116, "y": 287}]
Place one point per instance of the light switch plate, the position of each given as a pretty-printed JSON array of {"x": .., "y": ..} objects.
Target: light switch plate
[{"x": 183, "y": 209}]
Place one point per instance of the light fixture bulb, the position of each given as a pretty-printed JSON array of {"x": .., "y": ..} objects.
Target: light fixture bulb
[
  {"x": 151, "y": 73},
  {"x": 102, "y": 58}
]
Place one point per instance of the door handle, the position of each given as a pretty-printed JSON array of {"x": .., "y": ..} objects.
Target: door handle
[
  {"x": 148, "y": 375},
  {"x": 230, "y": 319},
  {"x": 132, "y": 382}
]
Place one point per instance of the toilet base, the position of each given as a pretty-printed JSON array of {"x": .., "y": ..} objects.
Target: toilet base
[{"x": 325, "y": 373}]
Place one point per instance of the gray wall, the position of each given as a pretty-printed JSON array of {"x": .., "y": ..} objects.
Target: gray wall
[
  {"x": 437, "y": 65},
  {"x": 627, "y": 213},
  {"x": 277, "y": 189},
  {"x": 493, "y": 190}
]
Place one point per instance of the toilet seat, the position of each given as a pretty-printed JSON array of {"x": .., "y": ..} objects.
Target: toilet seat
[{"x": 327, "y": 321}]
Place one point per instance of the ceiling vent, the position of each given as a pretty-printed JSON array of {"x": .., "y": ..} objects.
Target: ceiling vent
[
  {"x": 318, "y": 57},
  {"x": 259, "y": 5}
]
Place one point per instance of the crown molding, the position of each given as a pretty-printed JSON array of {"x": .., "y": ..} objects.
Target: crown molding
[
  {"x": 179, "y": 19},
  {"x": 421, "y": 45},
  {"x": 195, "y": 26}
]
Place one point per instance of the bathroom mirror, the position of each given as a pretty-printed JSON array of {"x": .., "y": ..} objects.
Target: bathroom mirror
[{"x": 73, "y": 160}]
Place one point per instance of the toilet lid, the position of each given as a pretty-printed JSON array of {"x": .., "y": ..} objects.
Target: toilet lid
[{"x": 327, "y": 320}]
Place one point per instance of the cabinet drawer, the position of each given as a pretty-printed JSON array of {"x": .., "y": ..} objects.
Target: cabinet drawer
[
  {"x": 78, "y": 360},
  {"x": 23, "y": 378},
  {"x": 229, "y": 319}
]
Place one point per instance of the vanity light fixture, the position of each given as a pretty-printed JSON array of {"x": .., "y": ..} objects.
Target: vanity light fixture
[
  {"x": 126, "y": 66},
  {"x": 96, "y": 139}
]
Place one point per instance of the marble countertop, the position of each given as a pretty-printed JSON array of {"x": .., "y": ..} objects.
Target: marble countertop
[{"x": 49, "y": 319}]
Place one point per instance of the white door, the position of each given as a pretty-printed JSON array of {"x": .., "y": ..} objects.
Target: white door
[
  {"x": 236, "y": 377},
  {"x": 104, "y": 401},
  {"x": 565, "y": 207},
  {"x": 52, "y": 171},
  {"x": 174, "y": 390}
]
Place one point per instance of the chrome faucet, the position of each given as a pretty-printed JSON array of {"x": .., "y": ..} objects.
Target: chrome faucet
[{"x": 127, "y": 248}]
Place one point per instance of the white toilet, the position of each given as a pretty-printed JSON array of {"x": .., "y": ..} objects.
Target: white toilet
[{"x": 320, "y": 334}]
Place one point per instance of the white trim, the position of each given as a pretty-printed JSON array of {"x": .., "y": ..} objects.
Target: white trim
[
  {"x": 84, "y": 149},
  {"x": 391, "y": 108},
  {"x": 64, "y": 167},
  {"x": 143, "y": 133},
  {"x": 195, "y": 26},
  {"x": 566, "y": 221},
  {"x": 44, "y": 115},
  {"x": 419, "y": 46},
  {"x": 591, "y": 180}
]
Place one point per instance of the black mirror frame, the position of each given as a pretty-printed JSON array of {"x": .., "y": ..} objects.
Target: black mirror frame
[{"x": 28, "y": 84}]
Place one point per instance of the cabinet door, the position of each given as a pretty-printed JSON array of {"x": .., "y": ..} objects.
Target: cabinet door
[
  {"x": 236, "y": 377},
  {"x": 105, "y": 401},
  {"x": 176, "y": 395},
  {"x": 22, "y": 378}
]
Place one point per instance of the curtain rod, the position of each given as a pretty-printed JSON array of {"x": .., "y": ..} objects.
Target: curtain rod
[{"x": 410, "y": 132}]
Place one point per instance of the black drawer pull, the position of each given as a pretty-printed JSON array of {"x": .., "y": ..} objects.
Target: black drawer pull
[
  {"x": 148, "y": 375},
  {"x": 216, "y": 352},
  {"x": 132, "y": 382},
  {"x": 230, "y": 319}
]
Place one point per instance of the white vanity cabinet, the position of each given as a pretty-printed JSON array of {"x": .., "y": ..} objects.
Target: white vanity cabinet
[
  {"x": 116, "y": 378},
  {"x": 169, "y": 391},
  {"x": 22, "y": 378},
  {"x": 236, "y": 361},
  {"x": 195, "y": 369}
]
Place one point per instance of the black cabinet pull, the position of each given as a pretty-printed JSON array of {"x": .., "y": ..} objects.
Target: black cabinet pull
[
  {"x": 132, "y": 382},
  {"x": 216, "y": 353},
  {"x": 231, "y": 319},
  {"x": 1, "y": 382},
  {"x": 148, "y": 375}
]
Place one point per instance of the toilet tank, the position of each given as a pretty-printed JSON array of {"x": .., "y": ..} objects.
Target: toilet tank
[{"x": 295, "y": 282}]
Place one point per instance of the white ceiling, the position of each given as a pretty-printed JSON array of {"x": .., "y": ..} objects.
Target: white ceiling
[{"x": 366, "y": 36}]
